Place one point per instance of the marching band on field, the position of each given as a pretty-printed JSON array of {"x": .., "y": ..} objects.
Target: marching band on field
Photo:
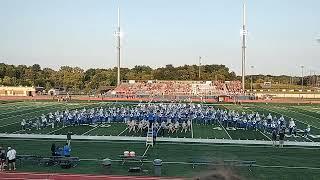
[{"x": 170, "y": 117}]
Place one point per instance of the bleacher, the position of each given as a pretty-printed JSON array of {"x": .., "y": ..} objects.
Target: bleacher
[
  {"x": 177, "y": 88},
  {"x": 64, "y": 162}
]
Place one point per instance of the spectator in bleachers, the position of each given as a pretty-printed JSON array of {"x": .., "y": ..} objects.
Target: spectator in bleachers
[{"x": 178, "y": 88}]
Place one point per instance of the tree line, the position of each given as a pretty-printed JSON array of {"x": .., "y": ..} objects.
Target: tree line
[{"x": 78, "y": 79}]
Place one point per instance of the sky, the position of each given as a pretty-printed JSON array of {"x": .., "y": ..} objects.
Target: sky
[{"x": 282, "y": 33}]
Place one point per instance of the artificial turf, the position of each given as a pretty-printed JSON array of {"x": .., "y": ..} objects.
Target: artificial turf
[{"x": 11, "y": 114}]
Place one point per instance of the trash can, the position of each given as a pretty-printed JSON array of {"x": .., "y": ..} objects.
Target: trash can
[
  {"x": 106, "y": 165},
  {"x": 157, "y": 163},
  {"x": 106, "y": 162}
]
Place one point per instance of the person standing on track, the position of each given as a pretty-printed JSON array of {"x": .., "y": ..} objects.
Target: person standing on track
[
  {"x": 2, "y": 158},
  {"x": 69, "y": 138},
  {"x": 281, "y": 138},
  {"x": 11, "y": 155},
  {"x": 274, "y": 137},
  {"x": 53, "y": 149},
  {"x": 154, "y": 135}
]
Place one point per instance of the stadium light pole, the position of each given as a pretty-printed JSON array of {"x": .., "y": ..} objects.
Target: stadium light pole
[
  {"x": 252, "y": 78},
  {"x": 302, "y": 76},
  {"x": 318, "y": 40},
  {"x": 244, "y": 36},
  {"x": 199, "y": 67},
  {"x": 118, "y": 47}
]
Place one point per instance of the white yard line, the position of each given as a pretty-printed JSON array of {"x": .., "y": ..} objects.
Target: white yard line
[
  {"x": 308, "y": 109},
  {"x": 191, "y": 129},
  {"x": 122, "y": 131},
  {"x": 56, "y": 130},
  {"x": 303, "y": 114},
  {"x": 265, "y": 135},
  {"x": 91, "y": 130},
  {"x": 9, "y": 124},
  {"x": 24, "y": 109},
  {"x": 145, "y": 152},
  {"x": 223, "y": 106},
  {"x": 225, "y": 130},
  {"x": 28, "y": 113},
  {"x": 223, "y": 126}
]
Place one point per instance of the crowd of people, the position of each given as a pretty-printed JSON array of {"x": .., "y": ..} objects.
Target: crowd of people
[
  {"x": 234, "y": 87},
  {"x": 7, "y": 159},
  {"x": 176, "y": 88}
]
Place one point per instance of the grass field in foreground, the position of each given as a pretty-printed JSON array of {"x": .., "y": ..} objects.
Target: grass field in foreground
[{"x": 295, "y": 157}]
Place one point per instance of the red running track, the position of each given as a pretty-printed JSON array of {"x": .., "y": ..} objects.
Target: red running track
[{"x": 38, "y": 176}]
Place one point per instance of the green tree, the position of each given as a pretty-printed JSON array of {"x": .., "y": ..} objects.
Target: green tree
[{"x": 7, "y": 81}]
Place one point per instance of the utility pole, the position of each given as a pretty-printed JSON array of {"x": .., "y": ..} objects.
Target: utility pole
[
  {"x": 302, "y": 76},
  {"x": 318, "y": 39},
  {"x": 199, "y": 67},
  {"x": 118, "y": 47},
  {"x": 252, "y": 78},
  {"x": 310, "y": 78},
  {"x": 244, "y": 39},
  {"x": 314, "y": 79}
]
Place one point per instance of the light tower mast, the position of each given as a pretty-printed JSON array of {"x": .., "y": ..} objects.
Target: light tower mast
[
  {"x": 244, "y": 44},
  {"x": 118, "y": 46}
]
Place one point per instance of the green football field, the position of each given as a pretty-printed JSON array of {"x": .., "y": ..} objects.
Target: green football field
[
  {"x": 272, "y": 163},
  {"x": 11, "y": 115}
]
